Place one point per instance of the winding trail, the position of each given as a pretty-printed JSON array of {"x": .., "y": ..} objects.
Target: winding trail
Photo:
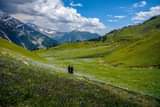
[
  {"x": 91, "y": 78},
  {"x": 64, "y": 70}
]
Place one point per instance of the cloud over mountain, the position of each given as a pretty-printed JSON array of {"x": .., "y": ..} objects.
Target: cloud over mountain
[
  {"x": 143, "y": 15},
  {"x": 51, "y": 14},
  {"x": 75, "y": 4},
  {"x": 140, "y": 4}
]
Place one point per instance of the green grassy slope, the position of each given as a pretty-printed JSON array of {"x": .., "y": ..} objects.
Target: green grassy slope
[
  {"x": 143, "y": 44},
  {"x": 13, "y": 50},
  {"x": 144, "y": 52},
  {"x": 31, "y": 86},
  {"x": 132, "y": 33},
  {"x": 129, "y": 59},
  {"x": 92, "y": 62},
  {"x": 23, "y": 85},
  {"x": 82, "y": 52}
]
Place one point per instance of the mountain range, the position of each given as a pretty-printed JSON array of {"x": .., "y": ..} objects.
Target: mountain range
[
  {"x": 33, "y": 37},
  {"x": 66, "y": 37},
  {"x": 22, "y": 34},
  {"x": 75, "y": 36}
]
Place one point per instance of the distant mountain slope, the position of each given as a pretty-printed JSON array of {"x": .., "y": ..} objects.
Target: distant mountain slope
[
  {"x": 66, "y": 37},
  {"x": 22, "y": 34},
  {"x": 134, "y": 32},
  {"x": 143, "y": 46},
  {"x": 75, "y": 36},
  {"x": 142, "y": 53}
]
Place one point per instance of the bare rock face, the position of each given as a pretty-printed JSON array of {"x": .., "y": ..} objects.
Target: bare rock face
[{"x": 22, "y": 34}]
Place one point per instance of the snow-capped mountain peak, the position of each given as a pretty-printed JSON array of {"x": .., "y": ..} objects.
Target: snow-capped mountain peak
[{"x": 23, "y": 34}]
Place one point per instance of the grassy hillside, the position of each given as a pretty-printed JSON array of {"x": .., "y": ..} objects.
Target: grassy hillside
[
  {"x": 23, "y": 85},
  {"x": 130, "y": 62},
  {"x": 135, "y": 32},
  {"x": 34, "y": 87},
  {"x": 92, "y": 62},
  {"x": 143, "y": 46},
  {"x": 11, "y": 49},
  {"x": 144, "y": 52}
]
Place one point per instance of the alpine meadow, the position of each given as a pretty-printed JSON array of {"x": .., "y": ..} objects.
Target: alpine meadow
[{"x": 76, "y": 53}]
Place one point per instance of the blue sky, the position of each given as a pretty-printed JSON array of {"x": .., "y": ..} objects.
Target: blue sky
[
  {"x": 106, "y": 10},
  {"x": 96, "y": 16}
]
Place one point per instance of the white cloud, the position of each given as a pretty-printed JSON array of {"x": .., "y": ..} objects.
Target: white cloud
[
  {"x": 115, "y": 18},
  {"x": 75, "y": 4},
  {"x": 119, "y": 17},
  {"x": 54, "y": 15},
  {"x": 143, "y": 15},
  {"x": 139, "y": 4}
]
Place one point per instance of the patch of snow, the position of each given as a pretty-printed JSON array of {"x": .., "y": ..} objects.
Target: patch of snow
[
  {"x": 23, "y": 45},
  {"x": 18, "y": 26},
  {"x": 39, "y": 41},
  {"x": 5, "y": 35},
  {"x": 21, "y": 33},
  {"x": 7, "y": 19},
  {"x": 41, "y": 30},
  {"x": 49, "y": 32},
  {"x": 34, "y": 42}
]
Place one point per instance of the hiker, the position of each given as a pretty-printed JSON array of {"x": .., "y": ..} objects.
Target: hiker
[{"x": 70, "y": 69}]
